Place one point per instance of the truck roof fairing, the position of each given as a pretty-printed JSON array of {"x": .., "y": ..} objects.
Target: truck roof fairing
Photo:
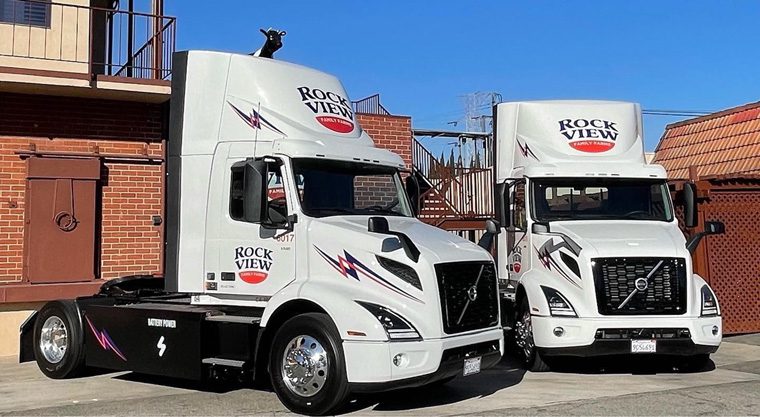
[
  {"x": 571, "y": 138},
  {"x": 223, "y": 97}
]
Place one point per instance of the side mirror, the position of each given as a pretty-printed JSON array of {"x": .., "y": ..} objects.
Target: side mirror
[
  {"x": 255, "y": 179},
  {"x": 690, "y": 204},
  {"x": 714, "y": 228},
  {"x": 711, "y": 228},
  {"x": 493, "y": 227},
  {"x": 502, "y": 204},
  {"x": 413, "y": 192},
  {"x": 539, "y": 228}
]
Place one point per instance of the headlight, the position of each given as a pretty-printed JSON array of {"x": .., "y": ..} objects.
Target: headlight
[
  {"x": 558, "y": 304},
  {"x": 405, "y": 272},
  {"x": 709, "y": 302},
  {"x": 395, "y": 326}
]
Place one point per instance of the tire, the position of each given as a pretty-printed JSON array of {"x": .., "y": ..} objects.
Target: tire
[
  {"x": 318, "y": 388},
  {"x": 530, "y": 357},
  {"x": 59, "y": 359}
]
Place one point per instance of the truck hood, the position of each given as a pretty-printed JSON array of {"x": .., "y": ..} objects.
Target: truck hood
[
  {"x": 624, "y": 238},
  {"x": 435, "y": 245}
]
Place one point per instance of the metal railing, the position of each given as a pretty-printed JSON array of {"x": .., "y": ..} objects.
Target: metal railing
[
  {"x": 103, "y": 41},
  {"x": 370, "y": 105},
  {"x": 454, "y": 193}
]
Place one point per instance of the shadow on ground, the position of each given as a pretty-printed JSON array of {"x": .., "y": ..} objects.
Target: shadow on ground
[
  {"x": 630, "y": 364},
  {"x": 505, "y": 374}
]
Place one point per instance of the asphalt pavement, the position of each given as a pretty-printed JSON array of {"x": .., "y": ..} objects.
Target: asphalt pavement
[{"x": 629, "y": 386}]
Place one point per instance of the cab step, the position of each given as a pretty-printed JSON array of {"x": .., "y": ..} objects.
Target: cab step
[
  {"x": 230, "y": 363},
  {"x": 226, "y": 318}
]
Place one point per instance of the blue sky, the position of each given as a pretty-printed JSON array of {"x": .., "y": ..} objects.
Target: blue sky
[{"x": 422, "y": 57}]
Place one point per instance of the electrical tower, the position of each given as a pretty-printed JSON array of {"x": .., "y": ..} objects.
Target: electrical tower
[{"x": 478, "y": 118}]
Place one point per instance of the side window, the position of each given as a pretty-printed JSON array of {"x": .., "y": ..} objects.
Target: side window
[
  {"x": 276, "y": 206},
  {"x": 518, "y": 206}
]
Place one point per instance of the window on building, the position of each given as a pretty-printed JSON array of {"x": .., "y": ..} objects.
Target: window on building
[{"x": 25, "y": 12}]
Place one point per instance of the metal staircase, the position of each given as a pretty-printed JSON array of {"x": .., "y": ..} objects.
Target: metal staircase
[{"x": 452, "y": 198}]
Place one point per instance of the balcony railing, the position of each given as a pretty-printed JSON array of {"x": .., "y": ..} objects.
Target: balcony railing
[{"x": 84, "y": 39}]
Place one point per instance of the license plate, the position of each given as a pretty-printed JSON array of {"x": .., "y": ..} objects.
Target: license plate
[
  {"x": 643, "y": 346},
  {"x": 471, "y": 366}
]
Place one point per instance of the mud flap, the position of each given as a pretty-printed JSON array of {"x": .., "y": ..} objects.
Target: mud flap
[{"x": 26, "y": 339}]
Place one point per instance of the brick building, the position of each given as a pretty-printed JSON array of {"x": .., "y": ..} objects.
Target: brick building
[
  {"x": 84, "y": 101},
  {"x": 84, "y": 90}
]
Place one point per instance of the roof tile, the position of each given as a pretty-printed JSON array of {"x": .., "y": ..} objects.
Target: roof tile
[{"x": 719, "y": 144}]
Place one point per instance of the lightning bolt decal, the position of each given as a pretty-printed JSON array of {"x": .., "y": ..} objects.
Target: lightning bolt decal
[
  {"x": 161, "y": 346},
  {"x": 526, "y": 151},
  {"x": 254, "y": 119},
  {"x": 104, "y": 340},
  {"x": 350, "y": 267}
]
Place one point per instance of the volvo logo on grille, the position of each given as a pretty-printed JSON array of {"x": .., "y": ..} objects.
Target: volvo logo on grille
[
  {"x": 641, "y": 284},
  {"x": 472, "y": 293}
]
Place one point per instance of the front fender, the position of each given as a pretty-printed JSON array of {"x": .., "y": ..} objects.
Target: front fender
[
  {"x": 345, "y": 313},
  {"x": 531, "y": 285},
  {"x": 533, "y": 280}
]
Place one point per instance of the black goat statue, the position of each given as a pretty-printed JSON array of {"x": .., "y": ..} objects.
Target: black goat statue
[{"x": 272, "y": 44}]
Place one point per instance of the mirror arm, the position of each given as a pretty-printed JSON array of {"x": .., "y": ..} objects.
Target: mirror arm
[{"x": 693, "y": 242}]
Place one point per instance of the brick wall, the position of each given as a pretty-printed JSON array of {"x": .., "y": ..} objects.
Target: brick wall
[
  {"x": 390, "y": 132},
  {"x": 131, "y": 191}
]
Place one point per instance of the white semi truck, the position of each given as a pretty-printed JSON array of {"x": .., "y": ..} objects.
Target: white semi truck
[
  {"x": 292, "y": 254},
  {"x": 593, "y": 261}
]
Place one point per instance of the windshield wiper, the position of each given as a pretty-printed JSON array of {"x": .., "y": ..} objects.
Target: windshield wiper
[{"x": 383, "y": 210}]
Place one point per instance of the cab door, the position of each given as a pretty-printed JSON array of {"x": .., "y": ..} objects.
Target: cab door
[
  {"x": 518, "y": 251},
  {"x": 255, "y": 257}
]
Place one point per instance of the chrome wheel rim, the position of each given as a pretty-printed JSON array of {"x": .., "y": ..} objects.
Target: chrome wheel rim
[
  {"x": 53, "y": 339},
  {"x": 304, "y": 366},
  {"x": 524, "y": 335}
]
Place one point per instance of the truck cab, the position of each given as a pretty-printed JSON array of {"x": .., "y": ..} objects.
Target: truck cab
[
  {"x": 593, "y": 261},
  {"x": 293, "y": 254}
]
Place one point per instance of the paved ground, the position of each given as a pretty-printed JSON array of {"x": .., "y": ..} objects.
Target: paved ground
[{"x": 629, "y": 387}]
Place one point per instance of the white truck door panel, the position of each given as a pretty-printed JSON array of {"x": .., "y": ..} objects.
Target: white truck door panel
[{"x": 251, "y": 258}]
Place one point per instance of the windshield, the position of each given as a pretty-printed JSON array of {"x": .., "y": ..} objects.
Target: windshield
[
  {"x": 330, "y": 188},
  {"x": 597, "y": 198}
]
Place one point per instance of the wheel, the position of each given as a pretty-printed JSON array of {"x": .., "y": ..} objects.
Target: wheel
[
  {"x": 307, "y": 365},
  {"x": 523, "y": 334},
  {"x": 59, "y": 340}
]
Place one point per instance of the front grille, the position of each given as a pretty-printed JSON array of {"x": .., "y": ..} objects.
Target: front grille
[
  {"x": 615, "y": 279},
  {"x": 457, "y": 283}
]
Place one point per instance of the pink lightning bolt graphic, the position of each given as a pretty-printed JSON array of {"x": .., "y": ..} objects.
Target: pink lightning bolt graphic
[{"x": 104, "y": 340}]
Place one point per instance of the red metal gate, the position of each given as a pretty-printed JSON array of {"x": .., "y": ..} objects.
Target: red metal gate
[{"x": 59, "y": 241}]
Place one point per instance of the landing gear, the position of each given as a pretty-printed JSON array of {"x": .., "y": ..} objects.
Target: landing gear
[{"x": 307, "y": 366}]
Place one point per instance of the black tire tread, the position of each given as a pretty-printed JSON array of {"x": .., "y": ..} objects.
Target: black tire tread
[{"x": 73, "y": 362}]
